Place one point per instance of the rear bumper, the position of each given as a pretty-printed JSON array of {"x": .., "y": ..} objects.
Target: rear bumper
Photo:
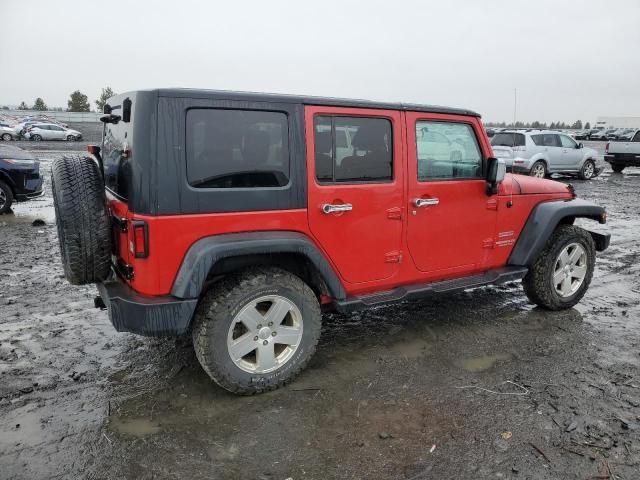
[
  {"x": 144, "y": 315},
  {"x": 630, "y": 159}
]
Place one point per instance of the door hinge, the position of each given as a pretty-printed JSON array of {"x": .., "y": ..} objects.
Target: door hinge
[
  {"x": 394, "y": 213},
  {"x": 393, "y": 257},
  {"x": 492, "y": 204},
  {"x": 487, "y": 243}
]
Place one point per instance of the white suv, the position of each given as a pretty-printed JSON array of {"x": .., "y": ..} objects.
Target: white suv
[{"x": 541, "y": 152}]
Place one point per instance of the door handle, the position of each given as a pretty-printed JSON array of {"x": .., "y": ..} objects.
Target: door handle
[
  {"x": 328, "y": 208},
  {"x": 426, "y": 202}
]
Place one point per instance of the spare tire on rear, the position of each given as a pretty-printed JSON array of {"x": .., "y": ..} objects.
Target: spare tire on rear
[{"x": 82, "y": 218}]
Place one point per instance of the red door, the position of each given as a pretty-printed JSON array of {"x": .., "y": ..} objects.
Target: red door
[
  {"x": 451, "y": 220},
  {"x": 355, "y": 178}
]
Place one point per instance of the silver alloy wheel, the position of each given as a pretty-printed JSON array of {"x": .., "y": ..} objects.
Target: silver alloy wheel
[
  {"x": 3, "y": 199},
  {"x": 588, "y": 170},
  {"x": 538, "y": 170},
  {"x": 37, "y": 138},
  {"x": 6, "y": 137},
  {"x": 570, "y": 270},
  {"x": 265, "y": 334}
]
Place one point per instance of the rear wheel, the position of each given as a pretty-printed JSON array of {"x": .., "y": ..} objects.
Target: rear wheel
[
  {"x": 255, "y": 330},
  {"x": 561, "y": 274},
  {"x": 588, "y": 170},
  {"x": 6, "y": 197},
  {"x": 71, "y": 138},
  {"x": 538, "y": 170},
  {"x": 6, "y": 137},
  {"x": 616, "y": 167}
]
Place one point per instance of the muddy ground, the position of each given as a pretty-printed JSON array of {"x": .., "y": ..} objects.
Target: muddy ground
[{"x": 474, "y": 385}]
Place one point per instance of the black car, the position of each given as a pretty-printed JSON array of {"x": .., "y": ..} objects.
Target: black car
[{"x": 20, "y": 177}]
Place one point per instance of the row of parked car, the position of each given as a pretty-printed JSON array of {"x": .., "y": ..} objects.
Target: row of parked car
[
  {"x": 38, "y": 131},
  {"x": 604, "y": 134},
  {"x": 611, "y": 134}
]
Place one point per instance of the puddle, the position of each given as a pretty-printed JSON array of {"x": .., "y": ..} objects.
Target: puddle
[
  {"x": 480, "y": 364},
  {"x": 137, "y": 427}
]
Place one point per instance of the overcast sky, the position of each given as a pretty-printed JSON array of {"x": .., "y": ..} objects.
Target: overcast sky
[{"x": 568, "y": 60}]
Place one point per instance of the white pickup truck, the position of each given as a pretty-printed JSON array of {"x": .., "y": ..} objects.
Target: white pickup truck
[{"x": 623, "y": 154}]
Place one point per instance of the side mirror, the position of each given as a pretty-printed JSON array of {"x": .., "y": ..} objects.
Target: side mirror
[
  {"x": 495, "y": 174},
  {"x": 580, "y": 145}
]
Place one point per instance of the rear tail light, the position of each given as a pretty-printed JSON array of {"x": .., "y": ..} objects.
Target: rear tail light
[
  {"x": 140, "y": 243},
  {"x": 606, "y": 148},
  {"x": 93, "y": 149}
]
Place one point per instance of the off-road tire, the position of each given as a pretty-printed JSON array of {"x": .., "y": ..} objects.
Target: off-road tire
[
  {"x": 84, "y": 227},
  {"x": 219, "y": 306},
  {"x": 538, "y": 283},
  {"x": 617, "y": 167},
  {"x": 8, "y": 195},
  {"x": 582, "y": 175}
]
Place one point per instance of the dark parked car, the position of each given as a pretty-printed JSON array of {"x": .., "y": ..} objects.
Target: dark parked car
[{"x": 20, "y": 178}]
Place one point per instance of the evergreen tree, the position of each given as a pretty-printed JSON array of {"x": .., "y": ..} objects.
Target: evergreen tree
[
  {"x": 78, "y": 102},
  {"x": 40, "y": 105}
]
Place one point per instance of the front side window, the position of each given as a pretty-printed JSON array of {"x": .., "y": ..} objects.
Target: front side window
[
  {"x": 567, "y": 142},
  {"x": 447, "y": 150},
  {"x": 353, "y": 149},
  {"x": 237, "y": 148}
]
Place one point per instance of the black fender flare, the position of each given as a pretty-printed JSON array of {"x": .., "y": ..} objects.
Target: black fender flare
[
  {"x": 204, "y": 253},
  {"x": 544, "y": 219}
]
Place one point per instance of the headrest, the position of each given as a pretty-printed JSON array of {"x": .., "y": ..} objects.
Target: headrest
[{"x": 370, "y": 137}]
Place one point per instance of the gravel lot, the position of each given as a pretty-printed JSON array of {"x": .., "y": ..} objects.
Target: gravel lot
[{"x": 467, "y": 386}]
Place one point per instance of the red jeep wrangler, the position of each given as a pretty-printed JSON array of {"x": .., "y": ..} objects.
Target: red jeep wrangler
[{"x": 236, "y": 216}]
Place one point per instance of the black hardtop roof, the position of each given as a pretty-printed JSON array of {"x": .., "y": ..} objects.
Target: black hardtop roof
[{"x": 304, "y": 99}]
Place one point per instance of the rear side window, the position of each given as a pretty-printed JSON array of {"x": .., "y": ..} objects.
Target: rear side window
[
  {"x": 237, "y": 148},
  {"x": 636, "y": 137},
  {"x": 447, "y": 151},
  {"x": 353, "y": 149},
  {"x": 508, "y": 140},
  {"x": 546, "y": 140}
]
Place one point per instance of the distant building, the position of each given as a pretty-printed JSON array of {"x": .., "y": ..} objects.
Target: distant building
[{"x": 618, "y": 122}]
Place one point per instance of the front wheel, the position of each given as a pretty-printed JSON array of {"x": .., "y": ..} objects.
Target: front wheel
[
  {"x": 6, "y": 197},
  {"x": 538, "y": 170},
  {"x": 561, "y": 274},
  {"x": 588, "y": 170},
  {"x": 71, "y": 138},
  {"x": 7, "y": 137},
  {"x": 256, "y": 330},
  {"x": 36, "y": 138}
]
